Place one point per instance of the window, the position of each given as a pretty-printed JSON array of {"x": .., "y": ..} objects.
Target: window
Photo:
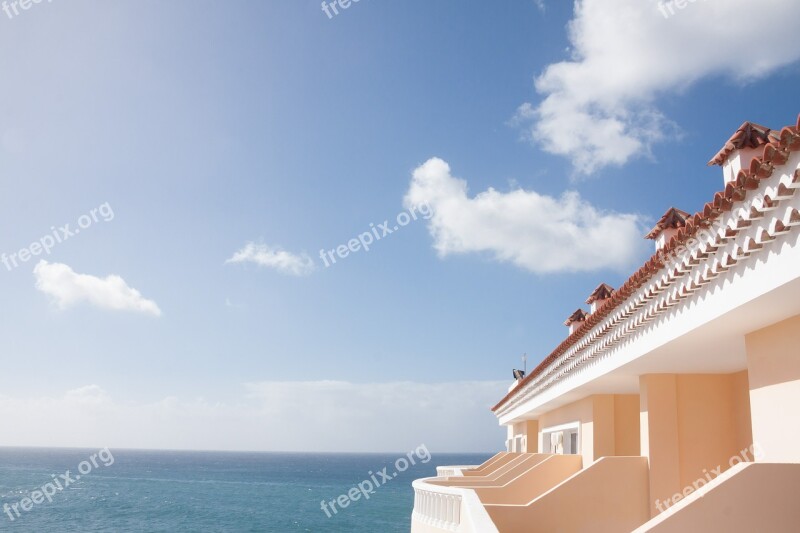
[{"x": 562, "y": 439}]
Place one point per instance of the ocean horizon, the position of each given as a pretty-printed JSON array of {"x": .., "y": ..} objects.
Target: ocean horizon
[{"x": 168, "y": 490}]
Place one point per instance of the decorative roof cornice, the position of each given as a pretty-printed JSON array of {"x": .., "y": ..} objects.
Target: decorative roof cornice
[{"x": 646, "y": 295}]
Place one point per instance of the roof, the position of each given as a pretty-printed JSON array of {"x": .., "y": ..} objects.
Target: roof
[
  {"x": 749, "y": 135},
  {"x": 673, "y": 218},
  {"x": 775, "y": 153},
  {"x": 602, "y": 292},
  {"x": 578, "y": 316}
]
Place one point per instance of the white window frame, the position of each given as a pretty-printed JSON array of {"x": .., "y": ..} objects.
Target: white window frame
[{"x": 576, "y": 426}]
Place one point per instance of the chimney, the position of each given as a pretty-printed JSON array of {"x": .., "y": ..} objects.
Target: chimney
[
  {"x": 745, "y": 145},
  {"x": 575, "y": 320},
  {"x": 672, "y": 221},
  {"x": 599, "y": 297}
]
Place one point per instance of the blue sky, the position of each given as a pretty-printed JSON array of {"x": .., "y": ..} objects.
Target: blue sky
[{"x": 206, "y": 126}]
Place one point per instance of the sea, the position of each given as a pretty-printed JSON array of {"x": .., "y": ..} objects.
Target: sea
[{"x": 151, "y": 491}]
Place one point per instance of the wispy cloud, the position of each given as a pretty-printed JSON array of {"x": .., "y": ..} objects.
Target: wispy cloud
[
  {"x": 539, "y": 233},
  {"x": 598, "y": 107},
  {"x": 268, "y": 415},
  {"x": 275, "y": 258},
  {"x": 67, "y": 289}
]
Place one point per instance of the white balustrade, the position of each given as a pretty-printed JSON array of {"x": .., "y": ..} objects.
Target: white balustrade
[{"x": 437, "y": 508}]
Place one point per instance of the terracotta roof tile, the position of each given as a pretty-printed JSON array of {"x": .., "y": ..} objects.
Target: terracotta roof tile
[
  {"x": 673, "y": 218},
  {"x": 749, "y": 135},
  {"x": 602, "y": 292},
  {"x": 578, "y": 316},
  {"x": 790, "y": 137}
]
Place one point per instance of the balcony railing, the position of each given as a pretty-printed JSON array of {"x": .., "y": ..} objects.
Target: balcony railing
[
  {"x": 449, "y": 509},
  {"x": 439, "y": 507}
]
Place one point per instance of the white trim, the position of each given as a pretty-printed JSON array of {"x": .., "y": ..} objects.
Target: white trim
[
  {"x": 562, "y": 427},
  {"x": 566, "y": 429}
]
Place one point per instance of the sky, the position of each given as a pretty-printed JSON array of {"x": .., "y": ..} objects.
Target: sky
[{"x": 253, "y": 225}]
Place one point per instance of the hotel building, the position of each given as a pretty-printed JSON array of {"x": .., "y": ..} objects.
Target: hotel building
[{"x": 673, "y": 405}]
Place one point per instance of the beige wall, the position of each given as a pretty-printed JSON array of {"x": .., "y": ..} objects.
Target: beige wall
[
  {"x": 773, "y": 361},
  {"x": 609, "y": 424},
  {"x": 609, "y": 496},
  {"x": 741, "y": 406},
  {"x": 602, "y": 426},
  {"x": 532, "y": 432},
  {"x": 529, "y": 429},
  {"x": 706, "y": 424},
  {"x": 580, "y": 411},
  {"x": 659, "y": 434},
  {"x": 541, "y": 477},
  {"x": 491, "y": 466},
  {"x": 626, "y": 424},
  {"x": 750, "y": 497},
  {"x": 692, "y": 424}
]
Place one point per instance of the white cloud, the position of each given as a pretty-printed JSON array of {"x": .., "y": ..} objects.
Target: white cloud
[
  {"x": 67, "y": 289},
  {"x": 88, "y": 395},
  {"x": 281, "y": 260},
  {"x": 539, "y": 233},
  {"x": 598, "y": 107},
  {"x": 270, "y": 416}
]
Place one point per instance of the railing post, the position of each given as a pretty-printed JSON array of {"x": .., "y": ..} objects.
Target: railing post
[{"x": 437, "y": 509}]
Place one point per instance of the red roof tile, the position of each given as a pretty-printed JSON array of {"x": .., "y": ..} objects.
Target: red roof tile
[
  {"x": 749, "y": 135},
  {"x": 602, "y": 292},
  {"x": 673, "y": 218},
  {"x": 578, "y": 316}
]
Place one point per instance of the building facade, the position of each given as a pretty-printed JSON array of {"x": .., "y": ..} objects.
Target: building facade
[{"x": 673, "y": 403}]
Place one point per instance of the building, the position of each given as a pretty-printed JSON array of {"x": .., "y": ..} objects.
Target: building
[{"x": 673, "y": 405}]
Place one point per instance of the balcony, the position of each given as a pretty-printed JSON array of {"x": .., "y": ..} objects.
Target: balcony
[
  {"x": 456, "y": 503},
  {"x": 747, "y": 497},
  {"x": 609, "y": 496},
  {"x": 438, "y": 508}
]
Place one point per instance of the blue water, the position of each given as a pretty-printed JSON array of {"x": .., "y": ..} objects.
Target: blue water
[{"x": 209, "y": 491}]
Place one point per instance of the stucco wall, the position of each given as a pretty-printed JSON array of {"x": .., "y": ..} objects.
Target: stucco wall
[
  {"x": 609, "y": 424},
  {"x": 602, "y": 426},
  {"x": 749, "y": 497},
  {"x": 707, "y": 420},
  {"x": 742, "y": 411},
  {"x": 541, "y": 477},
  {"x": 609, "y": 496},
  {"x": 532, "y": 433},
  {"x": 580, "y": 411},
  {"x": 659, "y": 421},
  {"x": 692, "y": 425},
  {"x": 773, "y": 361},
  {"x": 626, "y": 424}
]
